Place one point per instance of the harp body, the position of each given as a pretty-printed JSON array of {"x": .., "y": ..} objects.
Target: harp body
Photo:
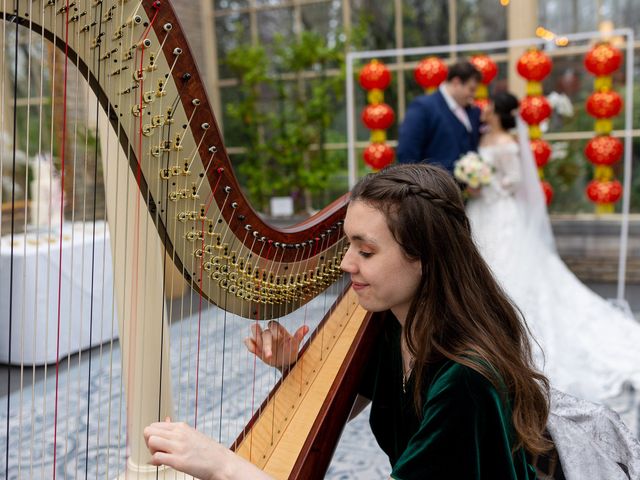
[{"x": 171, "y": 193}]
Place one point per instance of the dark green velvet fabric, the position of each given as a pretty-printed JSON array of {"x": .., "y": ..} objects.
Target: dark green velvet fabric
[{"x": 465, "y": 431}]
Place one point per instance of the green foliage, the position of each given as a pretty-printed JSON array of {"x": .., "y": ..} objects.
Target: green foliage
[
  {"x": 248, "y": 63},
  {"x": 285, "y": 113}
]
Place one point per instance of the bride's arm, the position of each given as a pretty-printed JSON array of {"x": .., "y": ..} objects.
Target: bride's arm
[{"x": 508, "y": 161}]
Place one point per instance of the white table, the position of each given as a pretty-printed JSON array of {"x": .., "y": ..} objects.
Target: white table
[{"x": 29, "y": 299}]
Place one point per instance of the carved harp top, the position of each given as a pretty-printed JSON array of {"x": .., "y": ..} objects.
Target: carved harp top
[{"x": 138, "y": 63}]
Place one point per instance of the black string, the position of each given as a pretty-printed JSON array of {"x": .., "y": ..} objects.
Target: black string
[
  {"x": 93, "y": 252},
  {"x": 13, "y": 203}
]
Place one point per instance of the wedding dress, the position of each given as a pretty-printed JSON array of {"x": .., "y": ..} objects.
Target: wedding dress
[{"x": 585, "y": 345}]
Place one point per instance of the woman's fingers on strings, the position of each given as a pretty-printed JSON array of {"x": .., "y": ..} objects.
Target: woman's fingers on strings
[
  {"x": 250, "y": 343},
  {"x": 267, "y": 343},
  {"x": 300, "y": 333}
]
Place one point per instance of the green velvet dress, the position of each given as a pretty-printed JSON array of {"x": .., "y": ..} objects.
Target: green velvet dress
[{"x": 465, "y": 431}]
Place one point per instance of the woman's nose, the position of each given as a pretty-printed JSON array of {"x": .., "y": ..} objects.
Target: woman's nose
[{"x": 347, "y": 264}]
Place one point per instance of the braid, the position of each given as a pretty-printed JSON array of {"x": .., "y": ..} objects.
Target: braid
[
  {"x": 449, "y": 207},
  {"x": 398, "y": 182}
]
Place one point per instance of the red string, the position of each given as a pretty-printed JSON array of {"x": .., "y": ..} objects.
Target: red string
[
  {"x": 62, "y": 158},
  {"x": 136, "y": 229}
]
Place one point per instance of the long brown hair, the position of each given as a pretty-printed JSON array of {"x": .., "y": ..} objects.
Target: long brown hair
[{"x": 459, "y": 312}]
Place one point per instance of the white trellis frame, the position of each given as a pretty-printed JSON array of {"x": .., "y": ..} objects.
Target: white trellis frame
[{"x": 626, "y": 34}]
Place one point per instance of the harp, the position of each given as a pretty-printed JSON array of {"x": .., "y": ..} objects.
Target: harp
[{"x": 171, "y": 199}]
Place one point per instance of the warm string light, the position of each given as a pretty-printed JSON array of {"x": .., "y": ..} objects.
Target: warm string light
[{"x": 552, "y": 37}]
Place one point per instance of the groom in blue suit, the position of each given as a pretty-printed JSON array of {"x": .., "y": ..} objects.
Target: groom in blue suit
[{"x": 441, "y": 127}]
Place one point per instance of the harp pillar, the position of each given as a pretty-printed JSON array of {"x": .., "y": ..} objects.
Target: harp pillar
[{"x": 138, "y": 273}]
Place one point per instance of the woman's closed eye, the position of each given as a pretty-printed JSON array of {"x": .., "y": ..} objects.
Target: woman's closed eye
[{"x": 365, "y": 254}]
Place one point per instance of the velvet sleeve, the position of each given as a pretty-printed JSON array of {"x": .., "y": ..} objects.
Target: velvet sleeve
[{"x": 464, "y": 432}]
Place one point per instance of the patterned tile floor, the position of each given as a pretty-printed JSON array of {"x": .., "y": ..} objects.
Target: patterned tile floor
[{"x": 90, "y": 415}]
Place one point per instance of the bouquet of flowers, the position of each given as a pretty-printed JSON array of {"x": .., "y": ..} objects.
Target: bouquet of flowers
[{"x": 471, "y": 170}]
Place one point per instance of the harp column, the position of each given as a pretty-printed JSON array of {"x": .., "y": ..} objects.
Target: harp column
[{"x": 138, "y": 269}]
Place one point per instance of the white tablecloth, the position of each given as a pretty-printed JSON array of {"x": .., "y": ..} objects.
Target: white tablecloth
[{"x": 29, "y": 298}]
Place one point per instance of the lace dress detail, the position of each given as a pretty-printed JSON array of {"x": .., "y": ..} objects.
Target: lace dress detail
[{"x": 586, "y": 346}]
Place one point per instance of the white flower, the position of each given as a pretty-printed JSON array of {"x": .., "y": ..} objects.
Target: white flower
[
  {"x": 471, "y": 170},
  {"x": 561, "y": 104}
]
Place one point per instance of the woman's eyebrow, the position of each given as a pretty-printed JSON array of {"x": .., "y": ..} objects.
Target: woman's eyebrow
[{"x": 361, "y": 238}]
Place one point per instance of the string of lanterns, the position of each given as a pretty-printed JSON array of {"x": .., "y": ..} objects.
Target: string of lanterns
[
  {"x": 603, "y": 104},
  {"x": 534, "y": 65},
  {"x": 603, "y": 151},
  {"x": 377, "y": 116}
]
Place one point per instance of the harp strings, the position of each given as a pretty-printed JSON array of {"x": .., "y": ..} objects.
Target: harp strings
[{"x": 260, "y": 268}]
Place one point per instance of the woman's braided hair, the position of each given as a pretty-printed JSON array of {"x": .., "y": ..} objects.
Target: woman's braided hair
[{"x": 459, "y": 311}]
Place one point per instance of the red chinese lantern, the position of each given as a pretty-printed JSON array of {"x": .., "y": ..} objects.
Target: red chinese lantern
[
  {"x": 378, "y": 155},
  {"x": 534, "y": 109},
  {"x": 488, "y": 69},
  {"x": 430, "y": 73},
  {"x": 603, "y": 60},
  {"x": 534, "y": 65},
  {"x": 604, "y": 104},
  {"x": 486, "y": 66},
  {"x": 604, "y": 194},
  {"x": 541, "y": 152},
  {"x": 375, "y": 75},
  {"x": 603, "y": 150},
  {"x": 378, "y": 116},
  {"x": 547, "y": 189}
]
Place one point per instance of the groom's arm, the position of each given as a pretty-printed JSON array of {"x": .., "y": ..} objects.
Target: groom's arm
[{"x": 414, "y": 133}]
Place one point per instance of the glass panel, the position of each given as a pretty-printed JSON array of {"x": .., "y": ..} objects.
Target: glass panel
[
  {"x": 323, "y": 18},
  {"x": 231, "y": 31},
  {"x": 481, "y": 21},
  {"x": 378, "y": 19},
  {"x": 271, "y": 2},
  {"x": 234, "y": 132},
  {"x": 338, "y": 182},
  {"x": 568, "y": 16},
  {"x": 623, "y": 13},
  {"x": 425, "y": 23},
  {"x": 274, "y": 22},
  {"x": 230, "y": 4}
]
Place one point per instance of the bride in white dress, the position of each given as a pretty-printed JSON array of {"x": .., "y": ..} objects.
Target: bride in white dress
[{"x": 590, "y": 348}]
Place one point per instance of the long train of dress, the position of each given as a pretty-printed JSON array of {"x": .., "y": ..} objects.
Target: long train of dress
[{"x": 586, "y": 346}]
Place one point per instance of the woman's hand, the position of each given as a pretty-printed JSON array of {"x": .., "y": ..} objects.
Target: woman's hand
[
  {"x": 181, "y": 447},
  {"x": 275, "y": 345}
]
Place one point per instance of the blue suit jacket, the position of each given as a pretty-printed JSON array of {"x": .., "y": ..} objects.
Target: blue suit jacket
[{"x": 432, "y": 133}]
